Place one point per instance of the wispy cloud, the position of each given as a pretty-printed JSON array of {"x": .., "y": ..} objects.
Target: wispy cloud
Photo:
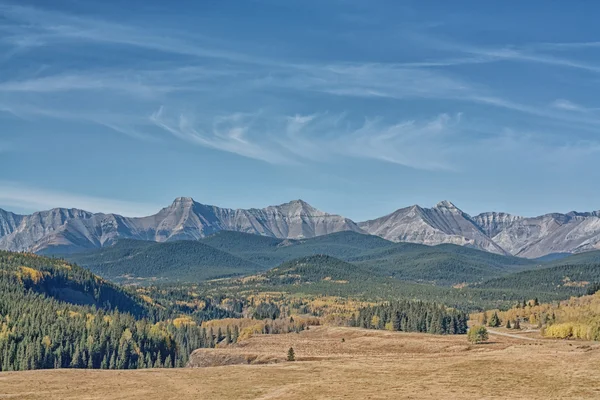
[
  {"x": 34, "y": 27},
  {"x": 318, "y": 138},
  {"x": 25, "y": 197},
  {"x": 226, "y": 133},
  {"x": 140, "y": 101},
  {"x": 563, "y": 104},
  {"x": 438, "y": 143}
]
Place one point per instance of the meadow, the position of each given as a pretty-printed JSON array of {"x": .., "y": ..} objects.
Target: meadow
[{"x": 344, "y": 363}]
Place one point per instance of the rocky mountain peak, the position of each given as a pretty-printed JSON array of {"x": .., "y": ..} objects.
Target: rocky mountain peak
[
  {"x": 183, "y": 201},
  {"x": 446, "y": 205},
  {"x": 72, "y": 229},
  {"x": 297, "y": 207}
]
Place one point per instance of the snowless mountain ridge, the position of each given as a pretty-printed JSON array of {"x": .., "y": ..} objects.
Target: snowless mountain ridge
[{"x": 62, "y": 230}]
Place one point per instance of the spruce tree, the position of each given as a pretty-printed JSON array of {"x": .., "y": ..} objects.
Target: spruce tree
[
  {"x": 291, "y": 356},
  {"x": 236, "y": 333},
  {"x": 494, "y": 320},
  {"x": 228, "y": 335}
]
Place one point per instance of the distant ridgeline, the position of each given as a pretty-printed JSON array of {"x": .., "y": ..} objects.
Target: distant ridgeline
[
  {"x": 409, "y": 316},
  {"x": 58, "y": 315}
]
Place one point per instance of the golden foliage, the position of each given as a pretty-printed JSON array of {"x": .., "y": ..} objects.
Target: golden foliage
[
  {"x": 30, "y": 273},
  {"x": 577, "y": 318},
  {"x": 147, "y": 299},
  {"x": 183, "y": 321}
]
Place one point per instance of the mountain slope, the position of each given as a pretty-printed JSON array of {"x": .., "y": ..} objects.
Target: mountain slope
[
  {"x": 56, "y": 279},
  {"x": 444, "y": 264},
  {"x": 63, "y": 231},
  {"x": 67, "y": 230},
  {"x": 189, "y": 261},
  {"x": 444, "y": 223},
  {"x": 547, "y": 234},
  {"x": 233, "y": 253},
  {"x": 271, "y": 252}
]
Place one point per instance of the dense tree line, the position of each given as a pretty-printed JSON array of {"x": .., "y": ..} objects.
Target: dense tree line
[
  {"x": 105, "y": 328},
  {"x": 567, "y": 279},
  {"x": 411, "y": 316},
  {"x": 176, "y": 261}
]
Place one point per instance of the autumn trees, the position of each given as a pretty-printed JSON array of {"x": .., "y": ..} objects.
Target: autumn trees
[{"x": 477, "y": 334}]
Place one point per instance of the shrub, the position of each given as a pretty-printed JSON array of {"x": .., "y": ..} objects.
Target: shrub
[{"x": 477, "y": 334}]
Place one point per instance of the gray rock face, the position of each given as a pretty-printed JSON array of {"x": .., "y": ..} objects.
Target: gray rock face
[
  {"x": 72, "y": 229},
  {"x": 551, "y": 233},
  {"x": 444, "y": 223},
  {"x": 8, "y": 222},
  {"x": 492, "y": 223},
  {"x": 492, "y": 231},
  {"x": 184, "y": 219}
]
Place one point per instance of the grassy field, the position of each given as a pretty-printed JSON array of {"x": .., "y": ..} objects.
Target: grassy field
[{"x": 367, "y": 364}]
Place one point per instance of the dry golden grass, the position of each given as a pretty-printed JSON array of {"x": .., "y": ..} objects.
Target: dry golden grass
[{"x": 367, "y": 365}]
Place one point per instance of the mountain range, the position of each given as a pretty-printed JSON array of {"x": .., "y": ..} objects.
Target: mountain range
[{"x": 62, "y": 231}]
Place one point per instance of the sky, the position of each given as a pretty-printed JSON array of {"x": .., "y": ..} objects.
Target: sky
[{"x": 357, "y": 107}]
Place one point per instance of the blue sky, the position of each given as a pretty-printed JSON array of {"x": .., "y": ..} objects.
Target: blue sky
[{"x": 359, "y": 108}]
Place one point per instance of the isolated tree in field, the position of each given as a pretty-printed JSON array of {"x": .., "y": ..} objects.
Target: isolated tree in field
[
  {"x": 228, "y": 335},
  {"x": 477, "y": 334},
  {"x": 494, "y": 320},
  {"x": 517, "y": 324},
  {"x": 508, "y": 326},
  {"x": 291, "y": 356}
]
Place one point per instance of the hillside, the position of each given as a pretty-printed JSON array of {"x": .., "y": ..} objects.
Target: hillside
[
  {"x": 66, "y": 282},
  {"x": 271, "y": 252},
  {"x": 57, "y": 315},
  {"x": 565, "y": 279},
  {"x": 317, "y": 268},
  {"x": 443, "y": 264},
  {"x": 230, "y": 253},
  {"x": 184, "y": 260}
]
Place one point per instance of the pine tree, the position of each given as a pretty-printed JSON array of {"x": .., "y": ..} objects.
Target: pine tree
[
  {"x": 508, "y": 324},
  {"x": 291, "y": 356},
  {"x": 228, "y": 335},
  {"x": 494, "y": 320},
  {"x": 236, "y": 333}
]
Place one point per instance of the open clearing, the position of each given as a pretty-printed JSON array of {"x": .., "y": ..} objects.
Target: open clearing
[{"x": 368, "y": 364}]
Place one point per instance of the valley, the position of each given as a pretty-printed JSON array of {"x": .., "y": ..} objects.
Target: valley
[
  {"x": 366, "y": 364},
  {"x": 391, "y": 200}
]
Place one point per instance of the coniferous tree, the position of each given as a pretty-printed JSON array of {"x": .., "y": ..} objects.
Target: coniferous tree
[
  {"x": 291, "y": 356},
  {"x": 494, "y": 320},
  {"x": 228, "y": 335},
  {"x": 236, "y": 333}
]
